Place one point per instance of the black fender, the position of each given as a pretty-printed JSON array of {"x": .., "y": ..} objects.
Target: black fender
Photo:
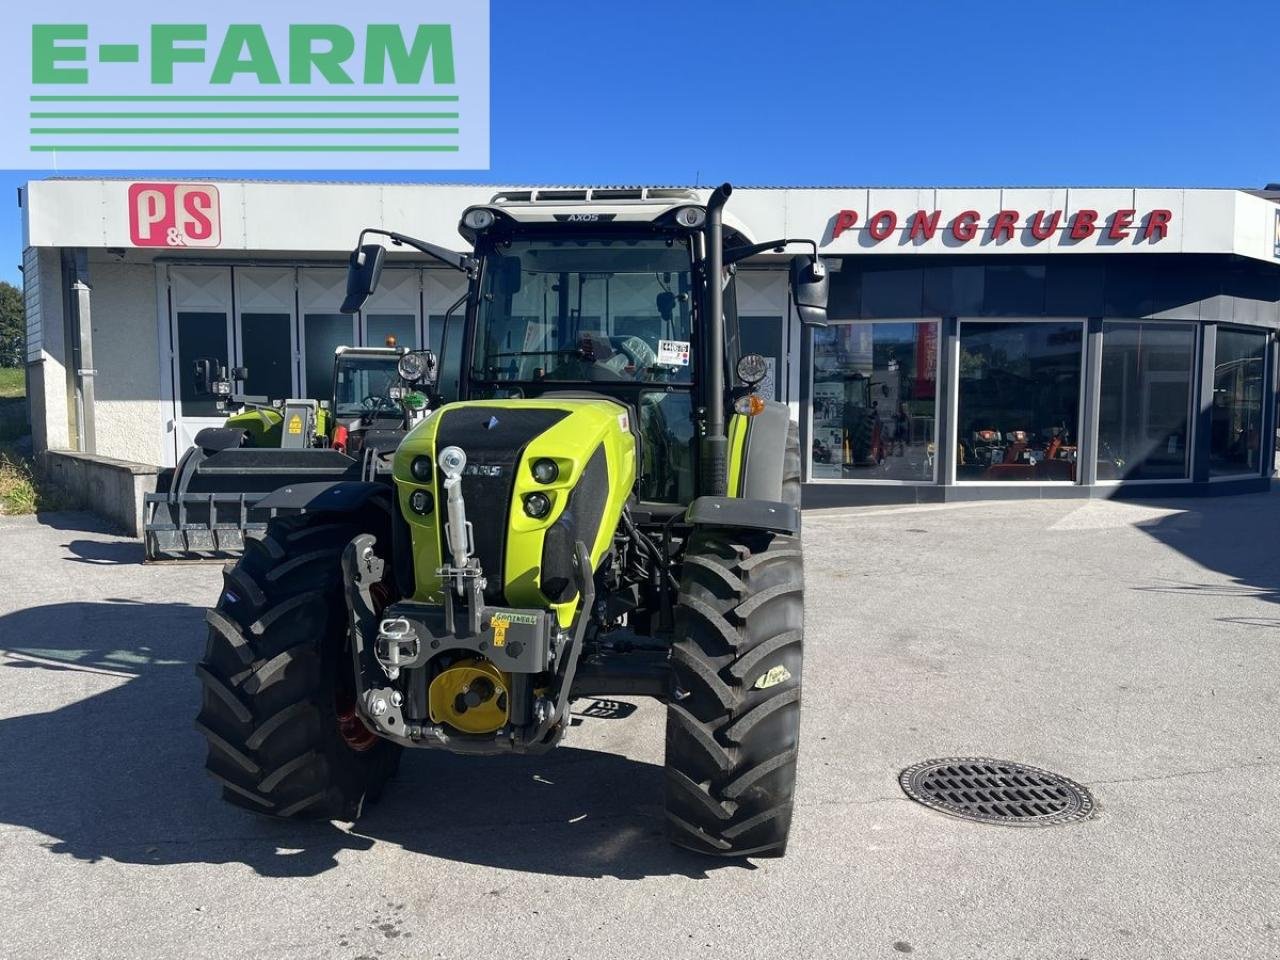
[
  {"x": 339, "y": 496},
  {"x": 217, "y": 439},
  {"x": 749, "y": 514},
  {"x": 764, "y": 453}
]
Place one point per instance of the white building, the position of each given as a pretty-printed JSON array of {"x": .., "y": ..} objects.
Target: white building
[{"x": 983, "y": 342}]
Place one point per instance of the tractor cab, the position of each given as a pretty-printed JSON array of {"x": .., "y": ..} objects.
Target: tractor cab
[
  {"x": 608, "y": 293},
  {"x": 379, "y": 390}
]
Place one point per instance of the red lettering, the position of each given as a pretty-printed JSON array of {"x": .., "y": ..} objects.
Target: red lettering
[
  {"x": 845, "y": 220},
  {"x": 198, "y": 206},
  {"x": 924, "y": 225},
  {"x": 1006, "y": 223},
  {"x": 1121, "y": 220},
  {"x": 1157, "y": 225},
  {"x": 882, "y": 224},
  {"x": 1083, "y": 224},
  {"x": 1038, "y": 228},
  {"x": 965, "y": 226}
]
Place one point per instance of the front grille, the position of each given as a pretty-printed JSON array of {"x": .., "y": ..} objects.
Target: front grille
[{"x": 494, "y": 439}]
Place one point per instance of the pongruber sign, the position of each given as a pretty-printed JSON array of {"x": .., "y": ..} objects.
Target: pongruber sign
[
  {"x": 1034, "y": 227},
  {"x": 174, "y": 215}
]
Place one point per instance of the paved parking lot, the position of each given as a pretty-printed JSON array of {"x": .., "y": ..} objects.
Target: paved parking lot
[{"x": 1135, "y": 648}]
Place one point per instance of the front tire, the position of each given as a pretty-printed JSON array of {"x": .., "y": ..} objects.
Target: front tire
[
  {"x": 733, "y": 719},
  {"x": 277, "y": 678}
]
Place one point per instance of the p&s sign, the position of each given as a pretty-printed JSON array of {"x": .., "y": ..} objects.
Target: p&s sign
[{"x": 174, "y": 215}]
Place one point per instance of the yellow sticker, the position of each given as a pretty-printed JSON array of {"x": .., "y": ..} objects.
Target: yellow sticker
[
  {"x": 775, "y": 676},
  {"x": 500, "y": 631},
  {"x": 295, "y": 424}
]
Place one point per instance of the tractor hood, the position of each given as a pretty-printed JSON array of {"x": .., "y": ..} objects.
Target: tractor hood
[{"x": 527, "y": 559}]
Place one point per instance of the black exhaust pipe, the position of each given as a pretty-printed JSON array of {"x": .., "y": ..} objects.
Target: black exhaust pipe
[{"x": 715, "y": 445}]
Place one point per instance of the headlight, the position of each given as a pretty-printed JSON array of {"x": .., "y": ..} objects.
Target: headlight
[
  {"x": 479, "y": 219},
  {"x": 421, "y": 502},
  {"x": 752, "y": 368},
  {"x": 413, "y": 367},
  {"x": 691, "y": 218},
  {"x": 421, "y": 469},
  {"x": 545, "y": 471},
  {"x": 537, "y": 505}
]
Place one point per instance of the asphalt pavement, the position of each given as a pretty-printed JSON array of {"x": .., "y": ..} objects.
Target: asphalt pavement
[{"x": 1132, "y": 647}]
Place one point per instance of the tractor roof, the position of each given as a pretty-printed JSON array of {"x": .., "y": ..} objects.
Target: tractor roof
[{"x": 580, "y": 206}]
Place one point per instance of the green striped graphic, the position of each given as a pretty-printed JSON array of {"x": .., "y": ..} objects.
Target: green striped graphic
[
  {"x": 241, "y": 98},
  {"x": 269, "y": 115},
  {"x": 240, "y": 131},
  {"x": 245, "y": 148}
]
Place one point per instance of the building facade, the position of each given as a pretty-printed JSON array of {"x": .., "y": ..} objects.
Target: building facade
[{"x": 982, "y": 343}]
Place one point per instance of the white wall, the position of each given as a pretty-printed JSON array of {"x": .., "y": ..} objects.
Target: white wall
[
  {"x": 127, "y": 386},
  {"x": 47, "y": 360}
]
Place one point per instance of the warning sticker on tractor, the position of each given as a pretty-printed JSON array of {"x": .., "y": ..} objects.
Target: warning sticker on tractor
[
  {"x": 673, "y": 353},
  {"x": 500, "y": 631},
  {"x": 295, "y": 424}
]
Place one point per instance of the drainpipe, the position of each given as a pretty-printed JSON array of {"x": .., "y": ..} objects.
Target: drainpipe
[{"x": 78, "y": 298}]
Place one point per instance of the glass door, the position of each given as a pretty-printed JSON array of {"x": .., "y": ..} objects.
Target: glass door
[
  {"x": 324, "y": 329},
  {"x": 200, "y": 327},
  {"x": 266, "y": 303}
]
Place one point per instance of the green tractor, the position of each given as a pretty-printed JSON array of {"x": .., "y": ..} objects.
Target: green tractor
[
  {"x": 204, "y": 508},
  {"x": 609, "y": 510}
]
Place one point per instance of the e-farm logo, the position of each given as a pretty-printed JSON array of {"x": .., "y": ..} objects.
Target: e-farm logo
[{"x": 113, "y": 88}]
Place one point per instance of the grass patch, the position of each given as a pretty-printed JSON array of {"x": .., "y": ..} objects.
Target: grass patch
[
  {"x": 12, "y": 382},
  {"x": 19, "y": 492}
]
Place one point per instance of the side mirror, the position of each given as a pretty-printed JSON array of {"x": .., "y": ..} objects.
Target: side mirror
[
  {"x": 666, "y": 305},
  {"x": 364, "y": 270},
  {"x": 810, "y": 286},
  {"x": 240, "y": 373},
  {"x": 203, "y": 371}
]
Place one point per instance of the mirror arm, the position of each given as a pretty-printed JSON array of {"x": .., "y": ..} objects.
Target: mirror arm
[
  {"x": 465, "y": 264},
  {"x": 735, "y": 254}
]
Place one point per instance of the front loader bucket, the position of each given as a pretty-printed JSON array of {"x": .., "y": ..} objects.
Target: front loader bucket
[{"x": 204, "y": 508}]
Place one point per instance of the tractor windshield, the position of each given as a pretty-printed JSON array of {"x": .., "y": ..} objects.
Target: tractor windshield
[
  {"x": 585, "y": 310},
  {"x": 362, "y": 384}
]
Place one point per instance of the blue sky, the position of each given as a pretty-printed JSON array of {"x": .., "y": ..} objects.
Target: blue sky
[{"x": 894, "y": 93}]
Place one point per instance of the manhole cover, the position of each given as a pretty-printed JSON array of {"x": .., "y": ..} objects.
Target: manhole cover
[{"x": 996, "y": 791}]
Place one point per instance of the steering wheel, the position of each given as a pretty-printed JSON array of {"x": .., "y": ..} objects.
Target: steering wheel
[{"x": 374, "y": 402}]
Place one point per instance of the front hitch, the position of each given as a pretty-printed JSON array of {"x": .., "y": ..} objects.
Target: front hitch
[{"x": 392, "y": 649}]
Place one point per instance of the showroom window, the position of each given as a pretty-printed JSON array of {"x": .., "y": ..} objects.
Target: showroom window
[
  {"x": 874, "y": 399},
  {"x": 1144, "y": 412},
  {"x": 1019, "y": 401},
  {"x": 1235, "y": 439}
]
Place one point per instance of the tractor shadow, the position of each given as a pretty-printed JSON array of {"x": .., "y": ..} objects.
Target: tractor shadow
[
  {"x": 1233, "y": 536},
  {"x": 118, "y": 774}
]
